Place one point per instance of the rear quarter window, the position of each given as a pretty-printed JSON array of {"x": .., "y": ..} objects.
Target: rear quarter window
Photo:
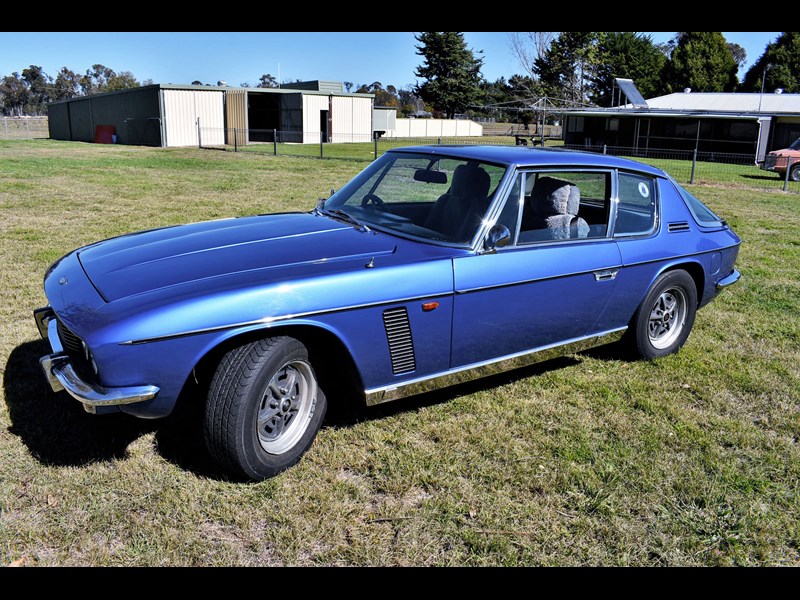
[{"x": 636, "y": 210}]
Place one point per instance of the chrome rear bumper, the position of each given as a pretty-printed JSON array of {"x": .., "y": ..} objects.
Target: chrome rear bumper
[
  {"x": 729, "y": 279},
  {"x": 61, "y": 375}
]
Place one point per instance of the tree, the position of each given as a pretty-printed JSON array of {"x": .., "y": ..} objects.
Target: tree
[
  {"x": 67, "y": 84},
  {"x": 629, "y": 55},
  {"x": 40, "y": 88},
  {"x": 14, "y": 98},
  {"x": 739, "y": 54},
  {"x": 781, "y": 59},
  {"x": 198, "y": 82},
  {"x": 123, "y": 80},
  {"x": 267, "y": 81},
  {"x": 529, "y": 46},
  {"x": 565, "y": 68},
  {"x": 451, "y": 71},
  {"x": 348, "y": 85},
  {"x": 702, "y": 61}
]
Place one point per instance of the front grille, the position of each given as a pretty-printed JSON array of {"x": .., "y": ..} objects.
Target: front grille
[
  {"x": 73, "y": 346},
  {"x": 401, "y": 344},
  {"x": 770, "y": 160},
  {"x": 678, "y": 226}
]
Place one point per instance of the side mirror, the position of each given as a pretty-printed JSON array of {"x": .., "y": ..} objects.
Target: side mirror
[{"x": 498, "y": 236}]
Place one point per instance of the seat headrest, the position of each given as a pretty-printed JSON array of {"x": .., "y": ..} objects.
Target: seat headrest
[
  {"x": 551, "y": 196},
  {"x": 470, "y": 180}
]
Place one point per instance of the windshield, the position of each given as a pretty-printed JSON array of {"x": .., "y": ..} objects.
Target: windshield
[
  {"x": 795, "y": 145},
  {"x": 432, "y": 197}
]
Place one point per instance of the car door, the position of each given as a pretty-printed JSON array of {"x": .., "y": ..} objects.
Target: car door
[{"x": 541, "y": 290}]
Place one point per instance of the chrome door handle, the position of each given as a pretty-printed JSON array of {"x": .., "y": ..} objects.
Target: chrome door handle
[{"x": 607, "y": 275}]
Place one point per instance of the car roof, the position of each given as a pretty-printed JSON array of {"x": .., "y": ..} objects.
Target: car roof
[{"x": 524, "y": 156}]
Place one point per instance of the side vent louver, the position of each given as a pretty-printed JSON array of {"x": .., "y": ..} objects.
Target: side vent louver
[
  {"x": 401, "y": 345},
  {"x": 678, "y": 226}
]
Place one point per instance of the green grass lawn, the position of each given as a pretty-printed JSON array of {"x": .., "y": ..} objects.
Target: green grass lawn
[{"x": 585, "y": 460}]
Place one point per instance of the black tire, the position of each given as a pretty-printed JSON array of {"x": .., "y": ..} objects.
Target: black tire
[
  {"x": 794, "y": 174},
  {"x": 658, "y": 327},
  {"x": 264, "y": 407}
]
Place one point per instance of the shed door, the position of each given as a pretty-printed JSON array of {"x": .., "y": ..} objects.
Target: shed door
[{"x": 193, "y": 117}]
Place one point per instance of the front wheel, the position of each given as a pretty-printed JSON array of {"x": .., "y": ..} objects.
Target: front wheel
[
  {"x": 264, "y": 407},
  {"x": 664, "y": 319},
  {"x": 794, "y": 174}
]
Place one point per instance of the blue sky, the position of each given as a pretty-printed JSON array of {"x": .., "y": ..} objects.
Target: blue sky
[{"x": 235, "y": 57}]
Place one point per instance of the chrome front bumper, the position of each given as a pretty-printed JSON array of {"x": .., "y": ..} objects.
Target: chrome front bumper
[{"x": 62, "y": 375}]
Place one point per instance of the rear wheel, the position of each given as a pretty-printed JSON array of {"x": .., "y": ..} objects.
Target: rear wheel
[
  {"x": 264, "y": 407},
  {"x": 664, "y": 319}
]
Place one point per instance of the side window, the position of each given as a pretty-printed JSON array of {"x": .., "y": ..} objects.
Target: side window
[
  {"x": 565, "y": 205},
  {"x": 636, "y": 212}
]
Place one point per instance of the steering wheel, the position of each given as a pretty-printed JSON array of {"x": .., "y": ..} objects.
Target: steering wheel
[{"x": 372, "y": 201}]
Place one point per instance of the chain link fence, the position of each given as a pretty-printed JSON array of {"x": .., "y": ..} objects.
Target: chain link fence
[
  {"x": 23, "y": 128},
  {"x": 713, "y": 168},
  {"x": 686, "y": 166}
]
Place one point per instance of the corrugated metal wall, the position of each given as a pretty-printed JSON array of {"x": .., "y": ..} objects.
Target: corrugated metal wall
[
  {"x": 182, "y": 108},
  {"x": 235, "y": 113},
  {"x": 134, "y": 114},
  {"x": 58, "y": 121},
  {"x": 352, "y": 119},
  {"x": 81, "y": 124},
  {"x": 312, "y": 105}
]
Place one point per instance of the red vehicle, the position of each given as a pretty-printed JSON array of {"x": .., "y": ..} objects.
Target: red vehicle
[{"x": 779, "y": 160}]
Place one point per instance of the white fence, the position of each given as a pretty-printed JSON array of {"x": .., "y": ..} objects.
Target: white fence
[{"x": 435, "y": 128}]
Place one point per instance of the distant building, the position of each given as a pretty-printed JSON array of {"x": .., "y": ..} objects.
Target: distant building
[
  {"x": 747, "y": 124},
  {"x": 189, "y": 115}
]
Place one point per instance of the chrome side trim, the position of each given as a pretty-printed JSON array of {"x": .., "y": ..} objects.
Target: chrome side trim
[
  {"x": 466, "y": 373},
  {"x": 62, "y": 376},
  {"x": 729, "y": 279},
  {"x": 270, "y": 320},
  {"x": 528, "y": 281}
]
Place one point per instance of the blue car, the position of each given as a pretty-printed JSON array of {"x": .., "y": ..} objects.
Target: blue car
[{"x": 434, "y": 266}]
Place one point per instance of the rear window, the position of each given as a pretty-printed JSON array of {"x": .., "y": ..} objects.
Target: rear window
[{"x": 701, "y": 213}]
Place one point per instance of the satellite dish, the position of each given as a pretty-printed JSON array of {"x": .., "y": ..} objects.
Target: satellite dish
[{"x": 687, "y": 90}]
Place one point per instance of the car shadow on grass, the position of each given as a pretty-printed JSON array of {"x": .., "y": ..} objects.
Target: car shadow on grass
[
  {"x": 54, "y": 426},
  {"x": 58, "y": 432}
]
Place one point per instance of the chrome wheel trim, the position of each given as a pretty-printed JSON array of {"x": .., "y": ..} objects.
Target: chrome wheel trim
[
  {"x": 667, "y": 318},
  {"x": 287, "y": 406},
  {"x": 794, "y": 174}
]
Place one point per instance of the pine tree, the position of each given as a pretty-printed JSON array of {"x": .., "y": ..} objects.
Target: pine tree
[{"x": 451, "y": 71}]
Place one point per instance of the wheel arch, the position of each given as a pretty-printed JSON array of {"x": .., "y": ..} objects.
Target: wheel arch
[
  {"x": 695, "y": 271},
  {"x": 330, "y": 356}
]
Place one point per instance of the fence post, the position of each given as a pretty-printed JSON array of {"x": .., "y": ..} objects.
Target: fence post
[
  {"x": 604, "y": 147},
  {"x": 321, "y": 137},
  {"x": 375, "y": 142},
  {"x": 5, "y": 123},
  {"x": 199, "y": 141},
  {"x": 694, "y": 162},
  {"x": 275, "y": 142},
  {"x": 439, "y": 141},
  {"x": 786, "y": 178}
]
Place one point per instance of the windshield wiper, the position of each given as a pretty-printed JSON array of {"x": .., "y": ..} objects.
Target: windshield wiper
[{"x": 343, "y": 216}]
